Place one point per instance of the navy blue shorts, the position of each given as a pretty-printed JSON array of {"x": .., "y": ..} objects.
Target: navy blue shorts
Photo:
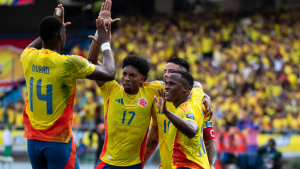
[
  {"x": 102, "y": 165},
  {"x": 52, "y": 155}
]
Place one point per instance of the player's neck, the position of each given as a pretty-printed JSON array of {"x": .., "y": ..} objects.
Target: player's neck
[
  {"x": 51, "y": 46},
  {"x": 182, "y": 100}
]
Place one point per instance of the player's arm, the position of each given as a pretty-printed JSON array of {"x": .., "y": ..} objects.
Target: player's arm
[
  {"x": 153, "y": 137},
  {"x": 95, "y": 48},
  {"x": 38, "y": 42},
  {"x": 212, "y": 153},
  {"x": 152, "y": 142},
  {"x": 106, "y": 72},
  {"x": 187, "y": 127},
  {"x": 209, "y": 141},
  {"x": 206, "y": 100}
]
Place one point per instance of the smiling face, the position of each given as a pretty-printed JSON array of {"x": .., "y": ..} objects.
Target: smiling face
[
  {"x": 176, "y": 88},
  {"x": 132, "y": 79}
]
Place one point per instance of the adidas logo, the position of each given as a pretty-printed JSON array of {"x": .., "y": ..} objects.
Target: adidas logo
[
  {"x": 120, "y": 101},
  {"x": 160, "y": 112}
]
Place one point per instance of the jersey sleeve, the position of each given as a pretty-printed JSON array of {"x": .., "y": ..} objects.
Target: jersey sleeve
[
  {"x": 26, "y": 53},
  {"x": 197, "y": 94},
  {"x": 153, "y": 114},
  {"x": 152, "y": 87},
  {"x": 108, "y": 88},
  {"x": 208, "y": 130},
  {"x": 187, "y": 113},
  {"x": 78, "y": 67}
]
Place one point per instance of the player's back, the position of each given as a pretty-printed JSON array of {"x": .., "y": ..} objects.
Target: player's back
[
  {"x": 189, "y": 152},
  {"x": 51, "y": 81}
]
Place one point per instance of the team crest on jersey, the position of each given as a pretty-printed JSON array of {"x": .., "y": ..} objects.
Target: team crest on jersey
[
  {"x": 142, "y": 102},
  {"x": 208, "y": 123}
]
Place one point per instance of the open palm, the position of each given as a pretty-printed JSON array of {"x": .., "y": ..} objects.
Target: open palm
[
  {"x": 105, "y": 12},
  {"x": 161, "y": 100}
]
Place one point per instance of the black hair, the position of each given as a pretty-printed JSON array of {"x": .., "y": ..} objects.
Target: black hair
[
  {"x": 49, "y": 26},
  {"x": 181, "y": 62},
  {"x": 186, "y": 76},
  {"x": 141, "y": 64},
  {"x": 273, "y": 141}
]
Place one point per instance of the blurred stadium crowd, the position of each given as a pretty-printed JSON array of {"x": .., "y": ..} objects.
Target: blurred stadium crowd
[{"x": 248, "y": 65}]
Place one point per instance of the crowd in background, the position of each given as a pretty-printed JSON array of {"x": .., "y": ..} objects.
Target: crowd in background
[{"x": 248, "y": 65}]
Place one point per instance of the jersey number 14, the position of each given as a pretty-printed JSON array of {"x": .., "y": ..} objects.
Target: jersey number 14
[{"x": 47, "y": 97}]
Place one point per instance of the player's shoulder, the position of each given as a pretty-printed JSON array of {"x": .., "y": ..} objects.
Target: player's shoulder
[
  {"x": 197, "y": 91},
  {"x": 186, "y": 111},
  {"x": 186, "y": 108},
  {"x": 110, "y": 84},
  {"x": 26, "y": 51},
  {"x": 153, "y": 84}
]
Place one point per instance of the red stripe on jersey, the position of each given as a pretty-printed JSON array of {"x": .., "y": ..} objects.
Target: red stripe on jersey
[
  {"x": 100, "y": 165},
  {"x": 60, "y": 131},
  {"x": 72, "y": 160},
  {"x": 142, "y": 149},
  {"x": 183, "y": 108},
  {"x": 106, "y": 133}
]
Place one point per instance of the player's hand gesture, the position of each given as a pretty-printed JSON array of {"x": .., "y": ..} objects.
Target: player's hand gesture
[
  {"x": 161, "y": 101},
  {"x": 104, "y": 35},
  {"x": 60, "y": 13},
  {"x": 105, "y": 12},
  {"x": 209, "y": 110}
]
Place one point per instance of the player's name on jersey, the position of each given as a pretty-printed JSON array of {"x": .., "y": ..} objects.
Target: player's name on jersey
[{"x": 40, "y": 69}]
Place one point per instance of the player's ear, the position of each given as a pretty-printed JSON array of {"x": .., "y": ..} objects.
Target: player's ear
[
  {"x": 186, "y": 88},
  {"x": 143, "y": 79},
  {"x": 60, "y": 36}
]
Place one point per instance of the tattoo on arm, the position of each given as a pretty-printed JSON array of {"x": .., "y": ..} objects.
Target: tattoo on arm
[
  {"x": 212, "y": 153},
  {"x": 151, "y": 143}
]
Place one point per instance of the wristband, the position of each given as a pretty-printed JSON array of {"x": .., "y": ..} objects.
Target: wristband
[
  {"x": 105, "y": 46},
  {"x": 96, "y": 34}
]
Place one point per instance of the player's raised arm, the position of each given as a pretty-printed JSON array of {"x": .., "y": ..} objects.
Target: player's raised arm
[
  {"x": 187, "y": 127},
  {"x": 105, "y": 13},
  {"x": 58, "y": 12},
  {"x": 107, "y": 71}
]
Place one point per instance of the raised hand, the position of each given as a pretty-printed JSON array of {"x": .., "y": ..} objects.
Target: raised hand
[
  {"x": 161, "y": 101},
  {"x": 104, "y": 35},
  {"x": 62, "y": 15},
  {"x": 105, "y": 12}
]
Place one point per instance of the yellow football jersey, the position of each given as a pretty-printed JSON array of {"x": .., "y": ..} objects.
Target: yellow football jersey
[
  {"x": 51, "y": 81},
  {"x": 126, "y": 121},
  {"x": 163, "y": 124},
  {"x": 185, "y": 152}
]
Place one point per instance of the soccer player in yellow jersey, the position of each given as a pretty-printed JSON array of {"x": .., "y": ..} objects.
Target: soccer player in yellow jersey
[
  {"x": 51, "y": 82},
  {"x": 127, "y": 115},
  {"x": 127, "y": 110},
  {"x": 159, "y": 130},
  {"x": 185, "y": 142}
]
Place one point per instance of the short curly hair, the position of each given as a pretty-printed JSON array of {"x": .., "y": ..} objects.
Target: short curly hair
[
  {"x": 49, "y": 27},
  {"x": 141, "y": 64}
]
